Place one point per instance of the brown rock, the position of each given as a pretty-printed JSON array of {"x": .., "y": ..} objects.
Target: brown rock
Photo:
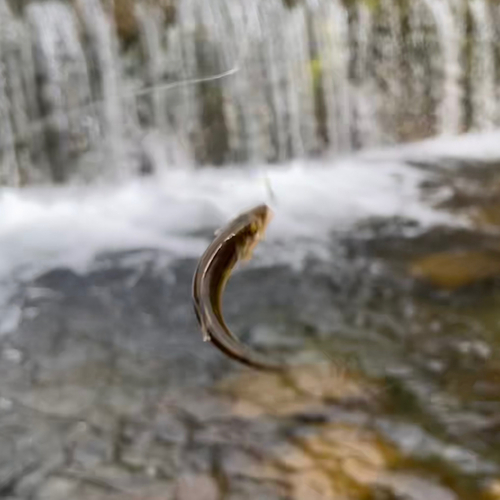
[
  {"x": 313, "y": 485},
  {"x": 126, "y": 21},
  {"x": 302, "y": 389},
  {"x": 487, "y": 215},
  {"x": 196, "y": 487},
  {"x": 494, "y": 490},
  {"x": 453, "y": 270}
]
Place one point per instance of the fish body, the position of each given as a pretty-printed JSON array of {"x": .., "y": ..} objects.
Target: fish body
[{"x": 232, "y": 243}]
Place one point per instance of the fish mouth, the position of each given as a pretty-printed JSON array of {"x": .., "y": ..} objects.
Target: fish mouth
[{"x": 262, "y": 217}]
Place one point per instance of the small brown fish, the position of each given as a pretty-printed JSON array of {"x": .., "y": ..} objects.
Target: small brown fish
[{"x": 234, "y": 242}]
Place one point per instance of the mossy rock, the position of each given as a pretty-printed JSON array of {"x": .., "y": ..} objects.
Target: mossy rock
[
  {"x": 488, "y": 215},
  {"x": 126, "y": 20},
  {"x": 454, "y": 270}
]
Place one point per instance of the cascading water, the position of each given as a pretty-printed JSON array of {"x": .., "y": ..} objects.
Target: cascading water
[
  {"x": 384, "y": 67},
  {"x": 483, "y": 67},
  {"x": 104, "y": 53},
  {"x": 9, "y": 173},
  {"x": 150, "y": 20},
  {"x": 364, "y": 122},
  {"x": 449, "y": 112},
  {"x": 301, "y": 76},
  {"x": 331, "y": 55},
  {"x": 64, "y": 86}
]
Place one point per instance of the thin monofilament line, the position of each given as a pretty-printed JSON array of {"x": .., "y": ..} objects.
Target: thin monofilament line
[
  {"x": 271, "y": 196},
  {"x": 171, "y": 85}
]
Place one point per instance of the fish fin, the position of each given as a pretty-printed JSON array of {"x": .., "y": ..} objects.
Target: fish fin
[{"x": 206, "y": 335}]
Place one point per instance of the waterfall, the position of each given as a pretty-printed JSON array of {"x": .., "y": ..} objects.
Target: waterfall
[
  {"x": 64, "y": 85},
  {"x": 385, "y": 66},
  {"x": 364, "y": 112},
  {"x": 482, "y": 76},
  {"x": 331, "y": 54},
  {"x": 283, "y": 70},
  {"x": 9, "y": 173},
  {"x": 104, "y": 50},
  {"x": 292, "y": 78},
  {"x": 182, "y": 65},
  {"x": 150, "y": 19},
  {"x": 449, "y": 112}
]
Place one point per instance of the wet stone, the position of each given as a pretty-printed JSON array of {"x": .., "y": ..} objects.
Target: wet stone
[
  {"x": 314, "y": 485},
  {"x": 169, "y": 430},
  {"x": 31, "y": 482},
  {"x": 265, "y": 336},
  {"x": 196, "y": 487},
  {"x": 57, "y": 488},
  {"x": 198, "y": 458},
  {"x": 154, "y": 460},
  {"x": 293, "y": 458},
  {"x": 90, "y": 451},
  {"x": 236, "y": 462},
  {"x": 413, "y": 487},
  {"x": 248, "y": 489},
  {"x": 493, "y": 489}
]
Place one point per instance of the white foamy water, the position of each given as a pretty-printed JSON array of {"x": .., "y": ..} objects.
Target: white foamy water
[
  {"x": 480, "y": 146},
  {"x": 51, "y": 227},
  {"x": 45, "y": 228}
]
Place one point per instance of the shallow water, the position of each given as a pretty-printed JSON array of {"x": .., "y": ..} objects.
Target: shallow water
[{"x": 107, "y": 390}]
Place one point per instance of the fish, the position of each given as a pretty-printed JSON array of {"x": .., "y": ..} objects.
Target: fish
[{"x": 233, "y": 243}]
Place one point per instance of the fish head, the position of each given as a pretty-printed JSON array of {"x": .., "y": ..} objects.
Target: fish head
[{"x": 257, "y": 222}]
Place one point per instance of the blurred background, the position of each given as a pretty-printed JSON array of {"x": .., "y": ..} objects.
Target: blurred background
[{"x": 130, "y": 130}]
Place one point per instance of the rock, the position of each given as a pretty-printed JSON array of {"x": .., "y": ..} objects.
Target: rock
[
  {"x": 299, "y": 390},
  {"x": 126, "y": 22},
  {"x": 196, "y": 487},
  {"x": 266, "y": 336},
  {"x": 250, "y": 489},
  {"x": 91, "y": 450},
  {"x": 169, "y": 429},
  {"x": 326, "y": 381},
  {"x": 65, "y": 402},
  {"x": 313, "y": 485},
  {"x": 487, "y": 215},
  {"x": 454, "y": 270},
  {"x": 32, "y": 482},
  {"x": 57, "y": 488},
  {"x": 293, "y": 458},
  {"x": 493, "y": 490},
  {"x": 413, "y": 487},
  {"x": 237, "y": 462}
]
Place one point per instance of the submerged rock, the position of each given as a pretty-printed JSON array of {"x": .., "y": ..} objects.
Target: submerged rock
[{"x": 454, "y": 269}]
